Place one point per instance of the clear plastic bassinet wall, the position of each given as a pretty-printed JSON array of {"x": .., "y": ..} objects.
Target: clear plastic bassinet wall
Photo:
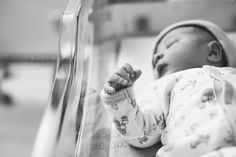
[{"x": 97, "y": 36}]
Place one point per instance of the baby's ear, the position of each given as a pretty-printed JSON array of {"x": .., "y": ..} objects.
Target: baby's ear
[{"x": 215, "y": 52}]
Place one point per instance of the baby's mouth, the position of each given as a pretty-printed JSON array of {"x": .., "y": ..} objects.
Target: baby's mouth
[{"x": 161, "y": 69}]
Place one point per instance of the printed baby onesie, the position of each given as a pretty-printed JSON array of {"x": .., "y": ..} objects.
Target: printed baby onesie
[{"x": 192, "y": 112}]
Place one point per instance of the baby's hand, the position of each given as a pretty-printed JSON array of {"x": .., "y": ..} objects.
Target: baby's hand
[{"x": 124, "y": 77}]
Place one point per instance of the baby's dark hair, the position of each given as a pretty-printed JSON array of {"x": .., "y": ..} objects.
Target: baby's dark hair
[{"x": 204, "y": 36}]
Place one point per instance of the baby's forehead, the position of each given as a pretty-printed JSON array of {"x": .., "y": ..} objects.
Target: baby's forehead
[
  {"x": 177, "y": 32},
  {"x": 184, "y": 30}
]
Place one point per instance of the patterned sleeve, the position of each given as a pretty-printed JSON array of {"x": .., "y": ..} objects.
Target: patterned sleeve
[
  {"x": 223, "y": 152},
  {"x": 141, "y": 126}
]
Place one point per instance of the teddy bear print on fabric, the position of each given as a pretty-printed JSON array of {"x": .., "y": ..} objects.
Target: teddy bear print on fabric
[
  {"x": 114, "y": 106},
  {"x": 213, "y": 114},
  {"x": 121, "y": 126},
  {"x": 143, "y": 139},
  {"x": 229, "y": 138},
  {"x": 160, "y": 120},
  {"x": 192, "y": 129},
  {"x": 180, "y": 121},
  {"x": 227, "y": 134},
  {"x": 207, "y": 96},
  {"x": 202, "y": 139},
  {"x": 189, "y": 83}
]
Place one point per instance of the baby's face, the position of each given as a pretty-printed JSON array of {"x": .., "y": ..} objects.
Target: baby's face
[{"x": 180, "y": 49}]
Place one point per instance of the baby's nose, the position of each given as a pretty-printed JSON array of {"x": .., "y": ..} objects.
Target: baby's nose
[{"x": 159, "y": 56}]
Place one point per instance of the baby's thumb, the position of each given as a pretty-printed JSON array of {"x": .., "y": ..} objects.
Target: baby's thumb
[{"x": 137, "y": 74}]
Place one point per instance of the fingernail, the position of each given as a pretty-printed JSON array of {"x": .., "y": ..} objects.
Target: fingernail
[
  {"x": 112, "y": 90},
  {"x": 125, "y": 82}
]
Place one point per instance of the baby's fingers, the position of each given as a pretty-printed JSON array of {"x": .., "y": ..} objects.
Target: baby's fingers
[
  {"x": 109, "y": 89},
  {"x": 129, "y": 69},
  {"x": 123, "y": 74},
  {"x": 137, "y": 74},
  {"x": 116, "y": 79},
  {"x": 115, "y": 83}
]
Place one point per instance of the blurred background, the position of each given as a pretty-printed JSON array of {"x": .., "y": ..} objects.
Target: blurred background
[
  {"x": 29, "y": 38},
  {"x": 29, "y": 42}
]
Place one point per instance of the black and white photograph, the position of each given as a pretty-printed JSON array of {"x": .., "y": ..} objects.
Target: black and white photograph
[{"x": 118, "y": 78}]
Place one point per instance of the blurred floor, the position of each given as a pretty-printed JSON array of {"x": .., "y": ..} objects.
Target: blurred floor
[
  {"x": 28, "y": 87},
  {"x": 18, "y": 128}
]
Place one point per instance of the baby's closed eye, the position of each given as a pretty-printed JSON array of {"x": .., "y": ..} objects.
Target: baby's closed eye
[{"x": 171, "y": 42}]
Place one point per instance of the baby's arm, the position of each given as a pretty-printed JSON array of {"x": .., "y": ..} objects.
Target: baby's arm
[{"x": 138, "y": 128}]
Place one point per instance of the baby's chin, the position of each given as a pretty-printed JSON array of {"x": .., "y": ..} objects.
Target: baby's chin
[
  {"x": 170, "y": 70},
  {"x": 167, "y": 72}
]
